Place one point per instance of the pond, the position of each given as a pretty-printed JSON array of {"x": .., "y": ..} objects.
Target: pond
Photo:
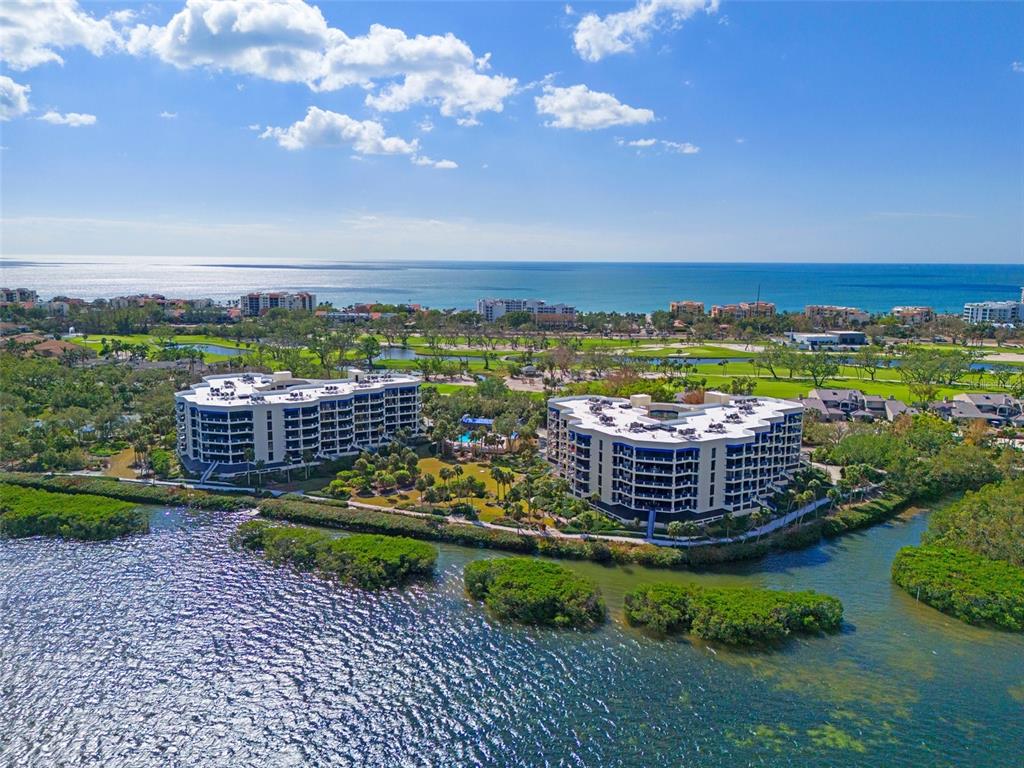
[
  {"x": 172, "y": 649},
  {"x": 215, "y": 349}
]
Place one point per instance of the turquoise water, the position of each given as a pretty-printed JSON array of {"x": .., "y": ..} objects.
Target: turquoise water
[
  {"x": 631, "y": 285},
  {"x": 172, "y": 650},
  {"x": 466, "y": 437}
]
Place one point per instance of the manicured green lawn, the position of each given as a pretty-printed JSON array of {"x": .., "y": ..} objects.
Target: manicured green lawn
[
  {"x": 790, "y": 389},
  {"x": 95, "y": 342}
]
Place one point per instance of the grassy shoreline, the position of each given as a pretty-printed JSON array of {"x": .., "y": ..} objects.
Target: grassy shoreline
[
  {"x": 112, "y": 488},
  {"x": 337, "y": 515}
]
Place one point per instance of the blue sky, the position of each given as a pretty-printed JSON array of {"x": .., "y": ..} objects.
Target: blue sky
[{"x": 664, "y": 130}]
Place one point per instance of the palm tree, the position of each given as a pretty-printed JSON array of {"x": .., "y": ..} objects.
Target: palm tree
[
  {"x": 498, "y": 476},
  {"x": 307, "y": 459},
  {"x": 250, "y": 454}
]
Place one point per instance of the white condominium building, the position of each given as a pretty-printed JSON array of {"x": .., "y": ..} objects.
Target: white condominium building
[
  {"x": 542, "y": 312},
  {"x": 667, "y": 461},
  {"x": 255, "y": 304},
  {"x": 224, "y": 422},
  {"x": 996, "y": 312},
  {"x": 830, "y": 314}
]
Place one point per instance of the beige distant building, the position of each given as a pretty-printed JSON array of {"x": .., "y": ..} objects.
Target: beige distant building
[
  {"x": 745, "y": 310},
  {"x": 913, "y": 315},
  {"x": 691, "y": 308}
]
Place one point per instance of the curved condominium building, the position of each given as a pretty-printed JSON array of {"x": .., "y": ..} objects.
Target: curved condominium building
[
  {"x": 224, "y": 422},
  {"x": 667, "y": 461}
]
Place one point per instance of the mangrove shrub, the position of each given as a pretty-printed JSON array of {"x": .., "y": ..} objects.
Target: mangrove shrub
[
  {"x": 32, "y": 512},
  {"x": 369, "y": 561},
  {"x": 531, "y": 591},
  {"x": 733, "y": 615},
  {"x": 968, "y": 586}
]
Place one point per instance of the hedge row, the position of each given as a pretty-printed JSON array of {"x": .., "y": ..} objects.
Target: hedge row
[
  {"x": 138, "y": 493},
  {"x": 734, "y": 615},
  {"x": 970, "y": 587},
  {"x": 466, "y": 534},
  {"x": 846, "y": 519}
]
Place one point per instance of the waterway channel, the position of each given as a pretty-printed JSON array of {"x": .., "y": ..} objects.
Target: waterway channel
[{"x": 171, "y": 649}]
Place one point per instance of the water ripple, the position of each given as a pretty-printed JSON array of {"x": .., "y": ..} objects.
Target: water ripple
[{"x": 172, "y": 650}]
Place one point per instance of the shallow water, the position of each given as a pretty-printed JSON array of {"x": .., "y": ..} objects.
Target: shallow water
[{"x": 172, "y": 649}]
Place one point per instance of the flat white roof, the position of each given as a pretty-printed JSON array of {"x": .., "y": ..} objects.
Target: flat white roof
[
  {"x": 617, "y": 418},
  {"x": 262, "y": 388}
]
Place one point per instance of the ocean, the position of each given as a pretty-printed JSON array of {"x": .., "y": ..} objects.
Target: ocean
[{"x": 590, "y": 286}]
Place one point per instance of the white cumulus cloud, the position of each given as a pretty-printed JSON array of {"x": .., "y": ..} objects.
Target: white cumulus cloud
[
  {"x": 598, "y": 36},
  {"x": 72, "y": 119},
  {"x": 1017, "y": 66},
  {"x": 290, "y": 41},
  {"x": 13, "y": 99},
  {"x": 681, "y": 147},
  {"x": 580, "y": 108},
  {"x": 34, "y": 31},
  {"x": 323, "y": 128},
  {"x": 168, "y": 115},
  {"x": 444, "y": 165}
]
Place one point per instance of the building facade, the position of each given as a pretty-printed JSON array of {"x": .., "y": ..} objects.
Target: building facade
[
  {"x": 830, "y": 315},
  {"x": 227, "y": 423},
  {"x": 662, "y": 462},
  {"x": 259, "y": 303},
  {"x": 745, "y": 310},
  {"x": 18, "y": 296},
  {"x": 541, "y": 312},
  {"x": 686, "y": 308},
  {"x": 995, "y": 312},
  {"x": 913, "y": 315},
  {"x": 828, "y": 340}
]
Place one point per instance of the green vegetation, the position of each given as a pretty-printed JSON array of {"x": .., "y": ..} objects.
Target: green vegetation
[
  {"x": 54, "y": 416},
  {"x": 433, "y": 528},
  {"x": 531, "y": 591},
  {"x": 165, "y": 495},
  {"x": 863, "y": 515},
  {"x": 988, "y": 522},
  {"x": 972, "y": 563},
  {"x": 970, "y": 587},
  {"x": 366, "y": 560},
  {"x": 919, "y": 458},
  {"x": 732, "y": 615},
  {"x": 31, "y": 512}
]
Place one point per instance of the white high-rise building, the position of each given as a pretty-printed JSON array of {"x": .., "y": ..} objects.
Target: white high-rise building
[
  {"x": 227, "y": 423},
  {"x": 995, "y": 312},
  {"x": 541, "y": 312},
  {"x": 662, "y": 462},
  {"x": 260, "y": 302}
]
